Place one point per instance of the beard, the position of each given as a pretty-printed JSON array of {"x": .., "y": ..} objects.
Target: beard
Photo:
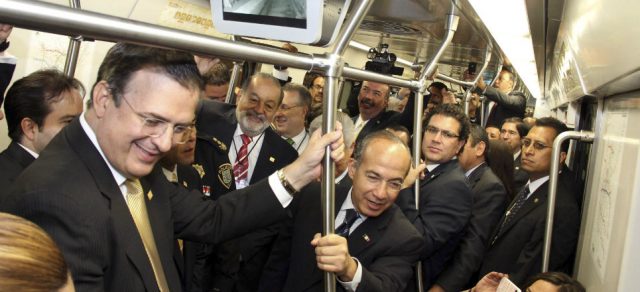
[{"x": 247, "y": 121}]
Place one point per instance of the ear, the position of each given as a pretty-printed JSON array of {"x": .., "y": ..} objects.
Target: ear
[
  {"x": 460, "y": 145},
  {"x": 480, "y": 148},
  {"x": 29, "y": 129},
  {"x": 352, "y": 168},
  {"x": 101, "y": 98}
]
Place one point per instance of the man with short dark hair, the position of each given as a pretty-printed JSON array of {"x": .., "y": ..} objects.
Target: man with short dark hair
[
  {"x": 489, "y": 202},
  {"x": 445, "y": 195},
  {"x": 517, "y": 242},
  {"x": 291, "y": 116},
  {"x": 37, "y": 107},
  {"x": 374, "y": 247},
  {"x": 216, "y": 82},
  {"x": 512, "y": 131},
  {"x": 236, "y": 147},
  {"x": 96, "y": 188},
  {"x": 504, "y": 102}
]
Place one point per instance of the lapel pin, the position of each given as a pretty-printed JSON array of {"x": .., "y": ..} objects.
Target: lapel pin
[
  {"x": 185, "y": 184},
  {"x": 272, "y": 159},
  {"x": 535, "y": 200},
  {"x": 150, "y": 195},
  {"x": 366, "y": 238}
]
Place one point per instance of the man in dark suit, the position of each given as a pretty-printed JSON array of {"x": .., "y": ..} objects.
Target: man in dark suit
[
  {"x": 517, "y": 242},
  {"x": 38, "y": 106},
  {"x": 96, "y": 189},
  {"x": 512, "y": 131},
  {"x": 373, "y": 99},
  {"x": 221, "y": 151},
  {"x": 504, "y": 102},
  {"x": 379, "y": 247},
  {"x": 445, "y": 196},
  {"x": 489, "y": 202}
]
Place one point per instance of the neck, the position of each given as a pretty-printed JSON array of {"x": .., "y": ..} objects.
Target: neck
[{"x": 473, "y": 165}]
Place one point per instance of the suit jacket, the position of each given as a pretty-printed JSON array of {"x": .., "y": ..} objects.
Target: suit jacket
[
  {"x": 386, "y": 246},
  {"x": 13, "y": 161},
  {"x": 489, "y": 203},
  {"x": 517, "y": 249},
  {"x": 387, "y": 118},
  {"x": 238, "y": 262},
  {"x": 445, "y": 208},
  {"x": 193, "y": 253},
  {"x": 70, "y": 192},
  {"x": 507, "y": 105}
]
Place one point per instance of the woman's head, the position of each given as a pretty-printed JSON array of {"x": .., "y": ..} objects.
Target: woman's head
[
  {"x": 554, "y": 282},
  {"x": 29, "y": 259}
]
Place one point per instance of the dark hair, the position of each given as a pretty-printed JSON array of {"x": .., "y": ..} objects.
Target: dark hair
[
  {"x": 399, "y": 128},
  {"x": 478, "y": 134},
  {"x": 522, "y": 128},
  {"x": 558, "y": 126},
  {"x": 452, "y": 111},
  {"x": 562, "y": 280},
  {"x": 124, "y": 59},
  {"x": 309, "y": 78},
  {"x": 31, "y": 97},
  {"x": 380, "y": 134},
  {"x": 500, "y": 160},
  {"x": 219, "y": 74},
  {"x": 303, "y": 93},
  {"x": 438, "y": 85},
  {"x": 266, "y": 76}
]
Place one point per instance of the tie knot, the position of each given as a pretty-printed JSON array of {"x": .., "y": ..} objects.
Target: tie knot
[
  {"x": 290, "y": 141},
  {"x": 245, "y": 139},
  {"x": 134, "y": 187},
  {"x": 350, "y": 217}
]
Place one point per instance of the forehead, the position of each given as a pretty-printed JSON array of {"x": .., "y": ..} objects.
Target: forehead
[
  {"x": 509, "y": 126},
  {"x": 387, "y": 155},
  {"x": 264, "y": 88},
  {"x": 318, "y": 80},
  {"x": 542, "y": 134},
  {"x": 290, "y": 97},
  {"x": 445, "y": 123},
  {"x": 375, "y": 86}
]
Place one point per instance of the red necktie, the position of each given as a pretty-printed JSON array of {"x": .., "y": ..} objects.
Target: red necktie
[{"x": 241, "y": 167}]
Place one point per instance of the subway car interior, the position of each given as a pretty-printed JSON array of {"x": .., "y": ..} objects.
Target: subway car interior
[{"x": 574, "y": 60}]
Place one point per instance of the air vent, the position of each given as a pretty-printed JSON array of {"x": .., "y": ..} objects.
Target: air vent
[{"x": 388, "y": 27}]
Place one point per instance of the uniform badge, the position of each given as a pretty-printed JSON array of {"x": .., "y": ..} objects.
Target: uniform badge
[
  {"x": 225, "y": 175},
  {"x": 221, "y": 145},
  {"x": 199, "y": 169},
  {"x": 206, "y": 190}
]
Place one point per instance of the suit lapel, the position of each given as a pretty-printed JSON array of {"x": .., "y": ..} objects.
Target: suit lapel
[
  {"x": 123, "y": 224},
  {"x": 536, "y": 200},
  {"x": 20, "y": 155},
  {"x": 368, "y": 233},
  {"x": 475, "y": 176},
  {"x": 267, "y": 159}
]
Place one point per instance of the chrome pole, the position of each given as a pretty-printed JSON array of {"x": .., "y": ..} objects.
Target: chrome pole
[
  {"x": 553, "y": 187},
  {"x": 467, "y": 94},
  {"x": 235, "y": 75},
  {"x": 73, "y": 51}
]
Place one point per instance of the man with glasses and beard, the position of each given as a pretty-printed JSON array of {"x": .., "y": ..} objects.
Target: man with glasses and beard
[{"x": 236, "y": 147}]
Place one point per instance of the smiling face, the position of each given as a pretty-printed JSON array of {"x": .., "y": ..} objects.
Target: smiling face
[
  {"x": 378, "y": 178},
  {"x": 119, "y": 129},
  {"x": 373, "y": 99},
  {"x": 290, "y": 117},
  {"x": 440, "y": 147},
  {"x": 257, "y": 105}
]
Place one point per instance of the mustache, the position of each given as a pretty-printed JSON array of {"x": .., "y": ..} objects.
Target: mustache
[
  {"x": 251, "y": 113},
  {"x": 367, "y": 102}
]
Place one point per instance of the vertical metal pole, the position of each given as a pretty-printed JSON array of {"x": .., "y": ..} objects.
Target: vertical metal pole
[
  {"x": 235, "y": 74},
  {"x": 467, "y": 94},
  {"x": 553, "y": 187},
  {"x": 73, "y": 51},
  {"x": 330, "y": 102}
]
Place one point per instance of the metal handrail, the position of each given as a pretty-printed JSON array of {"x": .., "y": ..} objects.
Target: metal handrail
[
  {"x": 485, "y": 64},
  {"x": 553, "y": 187},
  {"x": 73, "y": 51}
]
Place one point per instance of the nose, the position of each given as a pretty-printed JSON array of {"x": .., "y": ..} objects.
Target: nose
[
  {"x": 164, "y": 142},
  {"x": 527, "y": 149}
]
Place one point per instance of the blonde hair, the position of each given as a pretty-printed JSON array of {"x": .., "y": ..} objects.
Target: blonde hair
[{"x": 29, "y": 259}]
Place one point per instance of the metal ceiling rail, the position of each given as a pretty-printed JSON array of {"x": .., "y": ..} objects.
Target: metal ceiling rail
[
  {"x": 467, "y": 94},
  {"x": 52, "y": 18}
]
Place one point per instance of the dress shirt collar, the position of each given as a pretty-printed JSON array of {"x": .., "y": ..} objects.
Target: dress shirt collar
[
  {"x": 534, "y": 185},
  {"x": 515, "y": 156},
  {"x": 470, "y": 171},
  {"x": 119, "y": 178},
  {"x": 33, "y": 153}
]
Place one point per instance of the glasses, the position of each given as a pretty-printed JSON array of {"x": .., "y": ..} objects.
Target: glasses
[
  {"x": 434, "y": 131},
  {"x": 317, "y": 87},
  {"x": 286, "y": 108},
  {"x": 154, "y": 127},
  {"x": 526, "y": 142}
]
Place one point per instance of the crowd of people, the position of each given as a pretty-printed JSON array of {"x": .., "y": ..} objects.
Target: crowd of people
[{"x": 159, "y": 185}]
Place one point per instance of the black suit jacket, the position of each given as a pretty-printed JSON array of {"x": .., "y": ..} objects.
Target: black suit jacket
[
  {"x": 507, "y": 105},
  {"x": 70, "y": 192},
  {"x": 387, "y": 246},
  {"x": 387, "y": 118},
  {"x": 238, "y": 262},
  {"x": 489, "y": 203},
  {"x": 517, "y": 249},
  {"x": 13, "y": 161},
  {"x": 445, "y": 208}
]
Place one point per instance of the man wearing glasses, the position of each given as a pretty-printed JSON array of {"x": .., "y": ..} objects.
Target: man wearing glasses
[
  {"x": 236, "y": 147},
  {"x": 291, "y": 116},
  {"x": 96, "y": 188},
  {"x": 516, "y": 245},
  {"x": 445, "y": 196}
]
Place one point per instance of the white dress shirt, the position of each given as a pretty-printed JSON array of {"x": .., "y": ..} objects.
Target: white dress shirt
[
  {"x": 348, "y": 204},
  {"x": 254, "y": 151}
]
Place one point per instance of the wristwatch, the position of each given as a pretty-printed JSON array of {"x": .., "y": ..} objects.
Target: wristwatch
[{"x": 285, "y": 183}]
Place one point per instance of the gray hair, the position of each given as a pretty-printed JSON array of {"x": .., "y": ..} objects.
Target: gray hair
[{"x": 348, "y": 129}]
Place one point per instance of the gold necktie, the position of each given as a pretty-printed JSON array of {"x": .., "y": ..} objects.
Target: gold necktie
[{"x": 138, "y": 209}]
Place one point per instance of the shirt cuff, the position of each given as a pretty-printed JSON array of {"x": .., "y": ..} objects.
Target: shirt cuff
[
  {"x": 353, "y": 284},
  {"x": 279, "y": 190},
  {"x": 281, "y": 74}
]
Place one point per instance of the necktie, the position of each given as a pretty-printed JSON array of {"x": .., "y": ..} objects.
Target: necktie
[
  {"x": 290, "y": 141},
  {"x": 522, "y": 197},
  {"x": 138, "y": 209},
  {"x": 241, "y": 167},
  {"x": 349, "y": 219},
  {"x": 173, "y": 178}
]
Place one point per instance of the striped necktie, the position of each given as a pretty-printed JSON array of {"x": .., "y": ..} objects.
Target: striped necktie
[
  {"x": 241, "y": 167},
  {"x": 138, "y": 209},
  {"x": 350, "y": 218}
]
